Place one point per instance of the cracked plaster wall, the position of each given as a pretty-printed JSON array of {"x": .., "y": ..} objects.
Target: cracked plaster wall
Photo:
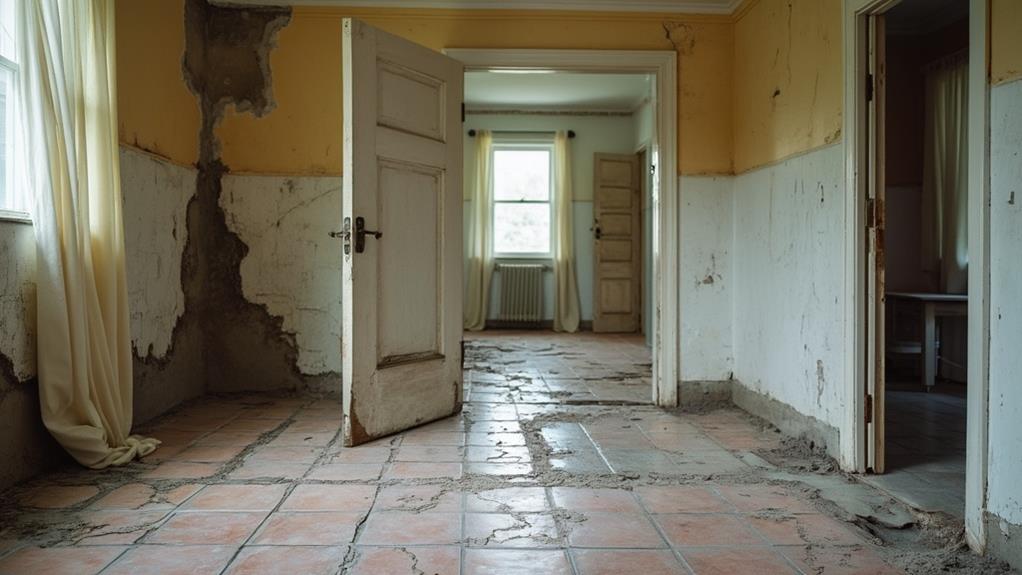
[
  {"x": 292, "y": 266},
  {"x": 17, "y": 299},
  {"x": 156, "y": 195},
  {"x": 707, "y": 279},
  {"x": 788, "y": 282},
  {"x": 788, "y": 79}
]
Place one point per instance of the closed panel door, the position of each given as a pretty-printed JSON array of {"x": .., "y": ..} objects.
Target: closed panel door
[
  {"x": 402, "y": 263},
  {"x": 617, "y": 208}
]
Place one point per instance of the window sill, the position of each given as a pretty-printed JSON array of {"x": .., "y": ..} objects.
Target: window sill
[
  {"x": 519, "y": 258},
  {"x": 15, "y": 217}
]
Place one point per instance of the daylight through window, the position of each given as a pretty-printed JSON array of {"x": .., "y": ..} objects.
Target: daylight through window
[
  {"x": 521, "y": 201},
  {"x": 9, "y": 198}
]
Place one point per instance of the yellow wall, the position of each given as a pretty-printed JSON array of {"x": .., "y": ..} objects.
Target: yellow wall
[
  {"x": 787, "y": 79},
  {"x": 1005, "y": 41},
  {"x": 155, "y": 109},
  {"x": 302, "y": 135}
]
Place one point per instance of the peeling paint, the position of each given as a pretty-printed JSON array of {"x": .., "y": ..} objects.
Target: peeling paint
[
  {"x": 292, "y": 267},
  {"x": 17, "y": 298},
  {"x": 788, "y": 270},
  {"x": 156, "y": 195},
  {"x": 246, "y": 346}
]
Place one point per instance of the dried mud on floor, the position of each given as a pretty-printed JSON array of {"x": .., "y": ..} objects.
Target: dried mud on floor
[{"x": 556, "y": 465}]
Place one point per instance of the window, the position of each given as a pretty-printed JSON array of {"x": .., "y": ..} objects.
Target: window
[
  {"x": 10, "y": 198},
  {"x": 522, "y": 177}
]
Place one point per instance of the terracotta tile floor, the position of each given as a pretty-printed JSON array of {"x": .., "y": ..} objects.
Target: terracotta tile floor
[{"x": 555, "y": 466}]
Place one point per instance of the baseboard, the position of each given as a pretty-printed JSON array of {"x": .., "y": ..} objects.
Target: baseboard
[
  {"x": 703, "y": 394},
  {"x": 786, "y": 418},
  {"x": 545, "y": 325}
]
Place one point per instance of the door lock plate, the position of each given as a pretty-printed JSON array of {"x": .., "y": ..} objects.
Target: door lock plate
[{"x": 344, "y": 234}]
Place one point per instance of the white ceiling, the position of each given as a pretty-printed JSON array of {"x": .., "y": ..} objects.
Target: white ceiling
[
  {"x": 561, "y": 91},
  {"x": 674, "y": 6}
]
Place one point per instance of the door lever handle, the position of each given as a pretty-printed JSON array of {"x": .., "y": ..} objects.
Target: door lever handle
[{"x": 360, "y": 234}]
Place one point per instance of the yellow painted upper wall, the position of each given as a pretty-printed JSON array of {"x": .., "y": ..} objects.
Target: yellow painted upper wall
[
  {"x": 303, "y": 134},
  {"x": 155, "y": 109},
  {"x": 787, "y": 79},
  {"x": 1005, "y": 41}
]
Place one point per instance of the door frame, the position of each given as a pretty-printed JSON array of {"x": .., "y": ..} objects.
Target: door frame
[
  {"x": 664, "y": 151},
  {"x": 854, "y": 432}
]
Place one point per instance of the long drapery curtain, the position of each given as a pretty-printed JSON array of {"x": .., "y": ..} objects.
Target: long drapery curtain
[
  {"x": 479, "y": 256},
  {"x": 84, "y": 356},
  {"x": 566, "y": 305},
  {"x": 945, "y": 177}
]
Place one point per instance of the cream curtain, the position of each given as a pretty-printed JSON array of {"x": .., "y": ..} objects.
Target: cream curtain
[
  {"x": 479, "y": 257},
  {"x": 84, "y": 357},
  {"x": 566, "y": 306},
  {"x": 945, "y": 176}
]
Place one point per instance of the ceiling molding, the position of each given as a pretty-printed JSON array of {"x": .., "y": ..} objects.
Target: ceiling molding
[{"x": 723, "y": 7}]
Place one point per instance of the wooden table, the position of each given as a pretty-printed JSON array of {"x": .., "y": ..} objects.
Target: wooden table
[{"x": 934, "y": 305}]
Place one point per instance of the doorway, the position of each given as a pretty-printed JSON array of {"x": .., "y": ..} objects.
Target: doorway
[
  {"x": 914, "y": 98},
  {"x": 662, "y": 273}
]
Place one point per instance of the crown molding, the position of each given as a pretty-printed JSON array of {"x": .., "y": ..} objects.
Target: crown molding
[{"x": 724, "y": 7}]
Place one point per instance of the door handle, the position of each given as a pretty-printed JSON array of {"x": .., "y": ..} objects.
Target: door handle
[
  {"x": 597, "y": 232},
  {"x": 360, "y": 234}
]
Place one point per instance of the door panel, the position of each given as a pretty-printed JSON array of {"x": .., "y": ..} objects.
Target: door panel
[
  {"x": 618, "y": 246},
  {"x": 402, "y": 178}
]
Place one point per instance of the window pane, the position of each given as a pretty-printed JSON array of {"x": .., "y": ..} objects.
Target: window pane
[
  {"x": 5, "y": 86},
  {"x": 521, "y": 175},
  {"x": 8, "y": 41},
  {"x": 521, "y": 228}
]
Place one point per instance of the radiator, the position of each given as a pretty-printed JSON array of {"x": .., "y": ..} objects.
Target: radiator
[{"x": 521, "y": 293}]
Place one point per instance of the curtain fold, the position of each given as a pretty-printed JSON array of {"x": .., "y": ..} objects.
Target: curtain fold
[
  {"x": 479, "y": 244},
  {"x": 566, "y": 304},
  {"x": 945, "y": 175},
  {"x": 84, "y": 356}
]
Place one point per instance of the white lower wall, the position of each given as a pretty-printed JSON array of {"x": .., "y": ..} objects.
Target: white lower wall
[
  {"x": 17, "y": 297},
  {"x": 292, "y": 266},
  {"x": 788, "y": 282},
  {"x": 706, "y": 277},
  {"x": 156, "y": 193},
  {"x": 1005, "y": 436}
]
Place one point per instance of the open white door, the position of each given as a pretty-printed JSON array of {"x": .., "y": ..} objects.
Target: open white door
[{"x": 402, "y": 230}]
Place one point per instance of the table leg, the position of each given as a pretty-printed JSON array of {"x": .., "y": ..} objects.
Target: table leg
[{"x": 929, "y": 346}]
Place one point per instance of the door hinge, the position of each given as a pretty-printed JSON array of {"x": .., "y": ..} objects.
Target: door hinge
[
  {"x": 869, "y": 87},
  {"x": 871, "y": 213},
  {"x": 463, "y": 112},
  {"x": 869, "y": 408}
]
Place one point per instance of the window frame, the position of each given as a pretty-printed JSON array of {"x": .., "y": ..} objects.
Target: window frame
[
  {"x": 12, "y": 137},
  {"x": 524, "y": 145}
]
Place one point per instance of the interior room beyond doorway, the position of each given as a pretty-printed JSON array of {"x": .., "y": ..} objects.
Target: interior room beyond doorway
[{"x": 609, "y": 118}]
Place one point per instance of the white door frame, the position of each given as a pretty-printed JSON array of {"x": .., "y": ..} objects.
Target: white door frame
[
  {"x": 664, "y": 155},
  {"x": 853, "y": 434}
]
